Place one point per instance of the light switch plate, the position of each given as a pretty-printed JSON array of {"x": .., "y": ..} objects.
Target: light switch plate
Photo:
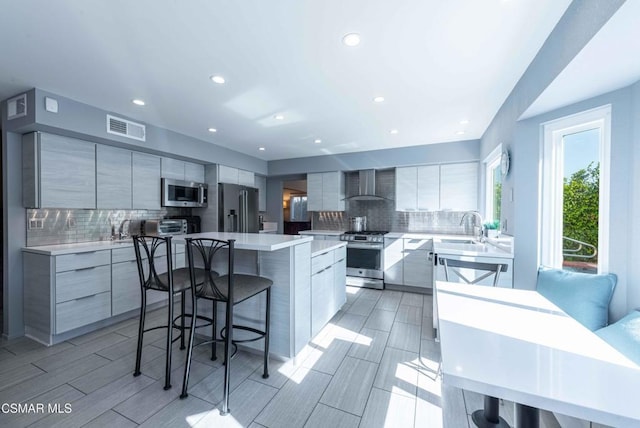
[
  {"x": 51, "y": 104},
  {"x": 36, "y": 223}
]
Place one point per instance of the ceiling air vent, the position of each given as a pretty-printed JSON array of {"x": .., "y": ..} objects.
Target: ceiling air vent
[{"x": 125, "y": 128}]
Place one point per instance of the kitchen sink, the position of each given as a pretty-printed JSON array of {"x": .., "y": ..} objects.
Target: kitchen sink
[{"x": 457, "y": 241}]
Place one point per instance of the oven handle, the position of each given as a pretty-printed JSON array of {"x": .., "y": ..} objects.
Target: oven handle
[{"x": 366, "y": 246}]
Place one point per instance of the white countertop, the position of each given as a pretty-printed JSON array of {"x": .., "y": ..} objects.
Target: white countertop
[
  {"x": 515, "y": 344},
  {"x": 252, "y": 241},
  {"x": 79, "y": 247},
  {"x": 319, "y": 247},
  {"x": 486, "y": 249},
  {"x": 321, "y": 232},
  {"x": 244, "y": 241}
]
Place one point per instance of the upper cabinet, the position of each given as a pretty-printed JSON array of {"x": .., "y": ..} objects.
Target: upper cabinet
[
  {"x": 459, "y": 186},
  {"x": 261, "y": 185},
  {"x": 181, "y": 170},
  {"x": 146, "y": 181},
  {"x": 437, "y": 187},
  {"x": 325, "y": 191},
  {"x": 113, "y": 178},
  {"x": 227, "y": 174},
  {"x": 58, "y": 172}
]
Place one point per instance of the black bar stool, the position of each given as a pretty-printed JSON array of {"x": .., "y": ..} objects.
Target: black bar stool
[
  {"x": 231, "y": 289},
  {"x": 172, "y": 281}
]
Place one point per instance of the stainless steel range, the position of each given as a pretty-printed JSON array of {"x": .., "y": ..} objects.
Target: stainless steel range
[{"x": 365, "y": 267}]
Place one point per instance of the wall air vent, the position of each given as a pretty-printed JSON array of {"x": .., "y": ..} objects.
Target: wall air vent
[
  {"x": 17, "y": 107},
  {"x": 125, "y": 128}
]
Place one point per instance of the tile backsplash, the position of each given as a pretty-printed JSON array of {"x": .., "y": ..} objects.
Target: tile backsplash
[
  {"x": 65, "y": 226},
  {"x": 381, "y": 215}
]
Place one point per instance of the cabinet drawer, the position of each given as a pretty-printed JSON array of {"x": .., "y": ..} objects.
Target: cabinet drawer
[
  {"x": 82, "y": 260},
  {"x": 83, "y": 311},
  {"x": 126, "y": 254},
  {"x": 321, "y": 262},
  {"x": 339, "y": 254},
  {"x": 79, "y": 283}
]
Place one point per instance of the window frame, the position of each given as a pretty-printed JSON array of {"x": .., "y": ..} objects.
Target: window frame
[
  {"x": 491, "y": 162},
  {"x": 551, "y": 175}
]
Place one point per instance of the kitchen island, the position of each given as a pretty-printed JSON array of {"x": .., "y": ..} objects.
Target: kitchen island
[{"x": 71, "y": 289}]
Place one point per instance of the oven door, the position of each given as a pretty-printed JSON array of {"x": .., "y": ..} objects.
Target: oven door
[{"x": 365, "y": 260}]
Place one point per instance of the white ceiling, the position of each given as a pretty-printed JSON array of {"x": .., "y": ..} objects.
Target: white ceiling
[
  {"x": 608, "y": 62},
  {"x": 435, "y": 62}
]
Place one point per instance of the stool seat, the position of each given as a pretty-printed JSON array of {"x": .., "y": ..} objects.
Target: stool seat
[
  {"x": 181, "y": 280},
  {"x": 245, "y": 286}
]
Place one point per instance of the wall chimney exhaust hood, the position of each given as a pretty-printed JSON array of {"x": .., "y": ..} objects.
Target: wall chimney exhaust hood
[{"x": 367, "y": 187}]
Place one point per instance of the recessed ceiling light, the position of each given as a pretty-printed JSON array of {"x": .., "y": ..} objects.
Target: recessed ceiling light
[
  {"x": 217, "y": 79},
  {"x": 261, "y": 149},
  {"x": 351, "y": 39},
  {"x": 393, "y": 131},
  {"x": 317, "y": 141},
  {"x": 138, "y": 102},
  {"x": 460, "y": 133},
  {"x": 378, "y": 99},
  {"x": 464, "y": 122},
  {"x": 213, "y": 130},
  {"x": 278, "y": 117}
]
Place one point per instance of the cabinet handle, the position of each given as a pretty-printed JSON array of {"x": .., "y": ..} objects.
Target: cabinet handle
[
  {"x": 86, "y": 268},
  {"x": 85, "y": 297}
]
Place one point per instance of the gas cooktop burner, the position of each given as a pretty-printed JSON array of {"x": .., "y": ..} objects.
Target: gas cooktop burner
[{"x": 367, "y": 232}]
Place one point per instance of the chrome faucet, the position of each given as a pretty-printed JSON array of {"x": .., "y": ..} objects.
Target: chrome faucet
[
  {"x": 477, "y": 229},
  {"x": 121, "y": 234}
]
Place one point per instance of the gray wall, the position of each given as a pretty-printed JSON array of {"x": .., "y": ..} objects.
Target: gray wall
[
  {"x": 622, "y": 194},
  {"x": 387, "y": 158}
]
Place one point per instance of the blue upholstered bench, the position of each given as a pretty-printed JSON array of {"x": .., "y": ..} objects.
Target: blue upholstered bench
[{"x": 624, "y": 335}]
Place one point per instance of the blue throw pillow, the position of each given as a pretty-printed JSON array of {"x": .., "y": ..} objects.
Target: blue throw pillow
[
  {"x": 583, "y": 296},
  {"x": 624, "y": 335}
]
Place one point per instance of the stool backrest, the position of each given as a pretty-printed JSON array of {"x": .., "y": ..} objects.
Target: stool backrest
[
  {"x": 489, "y": 269},
  {"x": 147, "y": 248},
  {"x": 205, "y": 254}
]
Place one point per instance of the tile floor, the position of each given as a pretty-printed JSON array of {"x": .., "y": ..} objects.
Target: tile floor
[{"x": 374, "y": 365}]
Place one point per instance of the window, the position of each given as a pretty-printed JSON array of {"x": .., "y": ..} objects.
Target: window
[
  {"x": 574, "y": 200},
  {"x": 493, "y": 190}
]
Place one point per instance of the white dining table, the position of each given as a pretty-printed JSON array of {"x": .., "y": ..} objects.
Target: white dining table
[{"x": 517, "y": 345}]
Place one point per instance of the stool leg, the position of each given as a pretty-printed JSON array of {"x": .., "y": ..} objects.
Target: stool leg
[
  {"x": 167, "y": 374},
  {"x": 182, "y": 311},
  {"x": 265, "y": 374},
  {"x": 214, "y": 322},
  {"x": 143, "y": 312},
  {"x": 227, "y": 359},
  {"x": 192, "y": 334}
]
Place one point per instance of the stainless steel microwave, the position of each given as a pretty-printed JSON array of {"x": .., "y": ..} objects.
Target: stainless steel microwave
[{"x": 178, "y": 193}]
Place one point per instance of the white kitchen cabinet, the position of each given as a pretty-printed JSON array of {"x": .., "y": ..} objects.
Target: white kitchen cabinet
[
  {"x": 328, "y": 286},
  {"x": 437, "y": 187},
  {"x": 261, "y": 185},
  {"x": 459, "y": 186},
  {"x": 58, "y": 172},
  {"x": 428, "y": 188},
  {"x": 227, "y": 174},
  {"x": 393, "y": 259},
  {"x": 113, "y": 178},
  {"x": 65, "y": 292},
  {"x": 194, "y": 172},
  {"x": 407, "y": 188},
  {"x": 417, "y": 269},
  {"x": 146, "y": 181},
  {"x": 325, "y": 191},
  {"x": 181, "y": 170}
]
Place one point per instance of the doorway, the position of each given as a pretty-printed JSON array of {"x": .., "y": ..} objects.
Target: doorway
[{"x": 294, "y": 207}]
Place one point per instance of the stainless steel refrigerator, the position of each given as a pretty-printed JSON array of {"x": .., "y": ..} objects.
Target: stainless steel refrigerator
[{"x": 237, "y": 208}]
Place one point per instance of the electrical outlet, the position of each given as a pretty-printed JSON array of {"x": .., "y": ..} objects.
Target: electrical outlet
[
  {"x": 36, "y": 223},
  {"x": 71, "y": 223}
]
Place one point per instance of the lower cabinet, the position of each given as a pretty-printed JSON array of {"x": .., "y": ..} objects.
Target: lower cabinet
[
  {"x": 406, "y": 262},
  {"x": 66, "y": 292},
  {"x": 328, "y": 287}
]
